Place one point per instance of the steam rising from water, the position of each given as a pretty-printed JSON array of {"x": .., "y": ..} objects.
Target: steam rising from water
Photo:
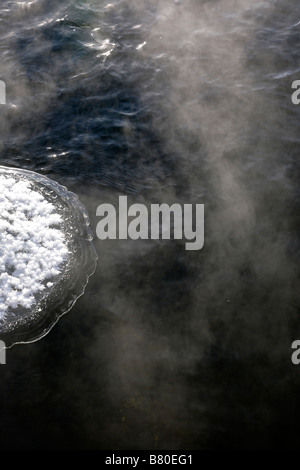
[{"x": 183, "y": 102}]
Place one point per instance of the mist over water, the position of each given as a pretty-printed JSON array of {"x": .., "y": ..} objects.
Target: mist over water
[{"x": 163, "y": 101}]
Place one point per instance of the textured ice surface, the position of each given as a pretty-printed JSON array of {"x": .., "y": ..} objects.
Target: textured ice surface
[
  {"x": 46, "y": 254},
  {"x": 32, "y": 244}
]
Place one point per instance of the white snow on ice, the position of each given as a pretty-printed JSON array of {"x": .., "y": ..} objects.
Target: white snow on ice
[{"x": 32, "y": 244}]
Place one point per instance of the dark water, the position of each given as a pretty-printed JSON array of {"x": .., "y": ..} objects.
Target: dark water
[{"x": 162, "y": 101}]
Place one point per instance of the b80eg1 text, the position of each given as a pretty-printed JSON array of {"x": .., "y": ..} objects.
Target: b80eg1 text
[{"x": 168, "y": 459}]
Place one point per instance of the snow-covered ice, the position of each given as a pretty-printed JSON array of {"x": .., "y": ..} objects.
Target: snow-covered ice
[{"x": 33, "y": 247}]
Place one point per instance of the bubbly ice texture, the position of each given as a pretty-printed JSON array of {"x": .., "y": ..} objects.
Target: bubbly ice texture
[
  {"x": 32, "y": 245},
  {"x": 46, "y": 254}
]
